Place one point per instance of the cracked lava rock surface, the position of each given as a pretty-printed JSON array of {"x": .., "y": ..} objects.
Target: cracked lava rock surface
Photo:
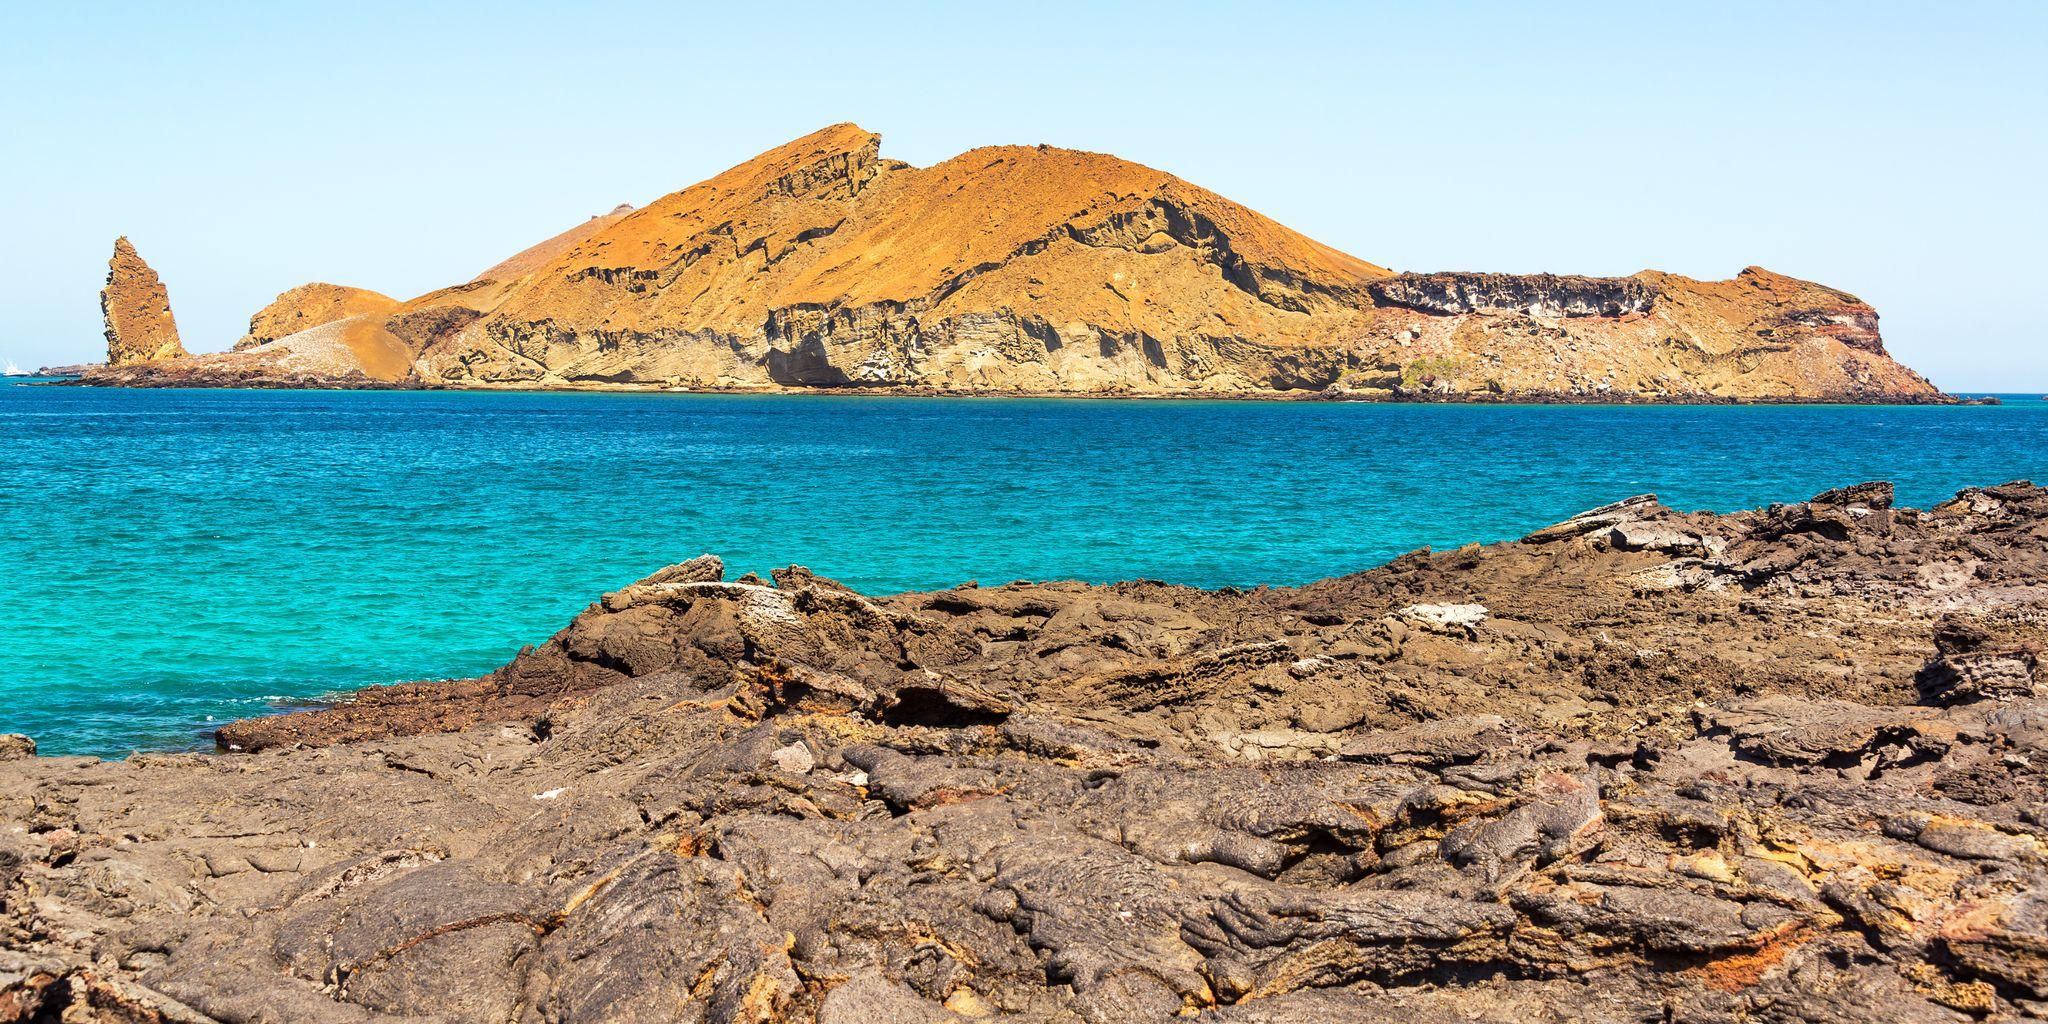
[{"x": 1644, "y": 765}]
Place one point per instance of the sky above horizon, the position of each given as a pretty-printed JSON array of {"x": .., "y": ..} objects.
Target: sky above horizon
[{"x": 1891, "y": 150}]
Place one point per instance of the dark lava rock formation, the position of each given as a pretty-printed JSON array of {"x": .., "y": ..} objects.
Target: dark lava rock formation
[
  {"x": 1552, "y": 295},
  {"x": 1785, "y": 765}
]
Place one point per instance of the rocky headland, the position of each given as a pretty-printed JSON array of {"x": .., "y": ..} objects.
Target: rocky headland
[
  {"x": 1785, "y": 765},
  {"x": 1033, "y": 270}
]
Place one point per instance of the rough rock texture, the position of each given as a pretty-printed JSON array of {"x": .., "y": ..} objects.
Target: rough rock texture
[
  {"x": 1653, "y": 336},
  {"x": 137, "y": 310},
  {"x": 309, "y": 306},
  {"x": 1546, "y": 295},
  {"x": 821, "y": 264},
  {"x": 1644, "y": 766},
  {"x": 1031, "y": 269}
]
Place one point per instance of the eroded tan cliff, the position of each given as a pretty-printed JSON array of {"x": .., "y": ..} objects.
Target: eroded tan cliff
[{"x": 137, "y": 310}]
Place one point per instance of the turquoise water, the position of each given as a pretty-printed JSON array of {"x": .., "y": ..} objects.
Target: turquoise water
[{"x": 170, "y": 558}]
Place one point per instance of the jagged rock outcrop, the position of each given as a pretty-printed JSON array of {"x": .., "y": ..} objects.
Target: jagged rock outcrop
[
  {"x": 1037, "y": 269},
  {"x": 137, "y": 310},
  {"x": 315, "y": 335},
  {"x": 1652, "y": 336},
  {"x": 1643, "y": 765},
  {"x": 308, "y": 306},
  {"x": 1544, "y": 295}
]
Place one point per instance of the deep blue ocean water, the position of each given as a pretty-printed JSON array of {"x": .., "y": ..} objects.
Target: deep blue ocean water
[{"x": 174, "y": 558}]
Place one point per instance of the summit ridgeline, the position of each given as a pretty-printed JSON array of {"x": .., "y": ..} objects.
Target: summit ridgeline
[{"x": 1033, "y": 269}]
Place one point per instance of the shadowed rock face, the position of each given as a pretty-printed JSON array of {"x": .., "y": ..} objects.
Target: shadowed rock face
[
  {"x": 1643, "y": 765},
  {"x": 137, "y": 310}
]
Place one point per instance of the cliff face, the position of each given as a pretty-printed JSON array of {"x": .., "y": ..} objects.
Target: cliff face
[
  {"x": 309, "y": 306},
  {"x": 1651, "y": 336},
  {"x": 1030, "y": 268},
  {"x": 137, "y": 310},
  {"x": 1546, "y": 295}
]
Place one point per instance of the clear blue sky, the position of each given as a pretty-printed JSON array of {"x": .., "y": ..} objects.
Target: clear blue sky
[{"x": 1893, "y": 150}]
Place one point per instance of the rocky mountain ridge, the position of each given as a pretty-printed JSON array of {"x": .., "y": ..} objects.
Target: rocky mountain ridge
[
  {"x": 1777, "y": 766},
  {"x": 1032, "y": 269}
]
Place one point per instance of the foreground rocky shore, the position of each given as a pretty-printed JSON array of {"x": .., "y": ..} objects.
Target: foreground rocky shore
[{"x": 1782, "y": 765}]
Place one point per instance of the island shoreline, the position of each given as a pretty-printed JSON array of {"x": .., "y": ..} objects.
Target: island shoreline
[{"x": 191, "y": 382}]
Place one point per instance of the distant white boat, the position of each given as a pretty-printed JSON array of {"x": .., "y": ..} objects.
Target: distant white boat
[{"x": 14, "y": 371}]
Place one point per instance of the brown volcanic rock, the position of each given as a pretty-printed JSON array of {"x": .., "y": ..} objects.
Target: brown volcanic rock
[
  {"x": 1641, "y": 765},
  {"x": 137, "y": 310},
  {"x": 818, "y": 263},
  {"x": 1040, "y": 269},
  {"x": 315, "y": 335},
  {"x": 1036, "y": 269},
  {"x": 354, "y": 352},
  {"x": 309, "y": 306},
  {"x": 1653, "y": 336},
  {"x": 1547, "y": 295}
]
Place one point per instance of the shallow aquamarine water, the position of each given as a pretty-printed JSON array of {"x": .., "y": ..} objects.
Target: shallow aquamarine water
[{"x": 171, "y": 558}]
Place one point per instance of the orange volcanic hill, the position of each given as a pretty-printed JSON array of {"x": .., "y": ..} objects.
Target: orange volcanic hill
[
  {"x": 1031, "y": 268},
  {"x": 818, "y": 263},
  {"x": 309, "y": 306}
]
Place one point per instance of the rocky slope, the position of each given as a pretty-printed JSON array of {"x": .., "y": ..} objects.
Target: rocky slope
[
  {"x": 1641, "y": 766},
  {"x": 309, "y": 306},
  {"x": 1036, "y": 269},
  {"x": 137, "y": 310},
  {"x": 314, "y": 335},
  {"x": 536, "y": 256}
]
